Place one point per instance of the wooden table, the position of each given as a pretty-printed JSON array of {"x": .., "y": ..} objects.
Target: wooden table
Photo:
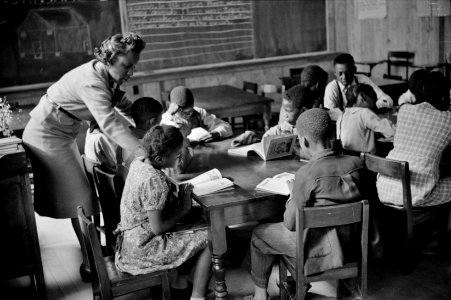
[
  {"x": 392, "y": 87},
  {"x": 227, "y": 101},
  {"x": 20, "y": 248},
  {"x": 241, "y": 204}
]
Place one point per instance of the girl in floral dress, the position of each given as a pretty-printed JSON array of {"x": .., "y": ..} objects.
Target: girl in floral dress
[{"x": 149, "y": 212}]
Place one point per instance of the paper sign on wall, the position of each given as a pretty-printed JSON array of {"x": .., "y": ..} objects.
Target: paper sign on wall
[
  {"x": 433, "y": 8},
  {"x": 372, "y": 9}
]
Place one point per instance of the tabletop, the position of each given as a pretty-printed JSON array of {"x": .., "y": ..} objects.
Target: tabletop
[
  {"x": 225, "y": 96},
  {"x": 245, "y": 172}
]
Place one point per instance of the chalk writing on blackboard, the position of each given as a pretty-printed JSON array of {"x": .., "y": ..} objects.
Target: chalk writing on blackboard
[{"x": 190, "y": 32}]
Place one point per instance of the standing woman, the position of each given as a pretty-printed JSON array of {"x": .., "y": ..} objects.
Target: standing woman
[{"x": 88, "y": 92}]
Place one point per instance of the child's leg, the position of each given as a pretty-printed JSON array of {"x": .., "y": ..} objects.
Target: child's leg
[{"x": 202, "y": 274}]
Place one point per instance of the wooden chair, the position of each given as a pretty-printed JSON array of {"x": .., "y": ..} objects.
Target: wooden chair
[
  {"x": 399, "y": 59},
  {"x": 319, "y": 217},
  {"x": 164, "y": 99},
  {"x": 250, "y": 87},
  {"x": 88, "y": 165},
  {"x": 110, "y": 193},
  {"x": 408, "y": 216},
  {"x": 107, "y": 281},
  {"x": 276, "y": 93}
]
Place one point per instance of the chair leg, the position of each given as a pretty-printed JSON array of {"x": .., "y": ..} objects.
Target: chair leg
[
  {"x": 282, "y": 281},
  {"x": 166, "y": 289}
]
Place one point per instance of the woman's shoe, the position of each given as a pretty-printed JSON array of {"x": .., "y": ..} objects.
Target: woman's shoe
[{"x": 85, "y": 273}]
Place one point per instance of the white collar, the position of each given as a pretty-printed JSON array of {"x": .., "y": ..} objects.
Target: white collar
[{"x": 341, "y": 85}]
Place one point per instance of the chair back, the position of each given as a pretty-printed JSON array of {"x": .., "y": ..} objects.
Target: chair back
[
  {"x": 399, "y": 59},
  {"x": 296, "y": 72},
  {"x": 165, "y": 101},
  {"x": 331, "y": 216},
  {"x": 88, "y": 165},
  {"x": 101, "y": 285},
  {"x": 109, "y": 197},
  {"x": 399, "y": 170},
  {"x": 250, "y": 87}
]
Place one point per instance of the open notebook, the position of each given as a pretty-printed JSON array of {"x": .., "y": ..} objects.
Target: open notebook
[
  {"x": 209, "y": 182},
  {"x": 270, "y": 147},
  {"x": 197, "y": 134}
]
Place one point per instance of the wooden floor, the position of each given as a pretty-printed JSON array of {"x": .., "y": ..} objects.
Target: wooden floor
[{"x": 431, "y": 279}]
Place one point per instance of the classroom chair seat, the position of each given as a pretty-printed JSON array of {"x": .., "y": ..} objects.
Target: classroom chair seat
[
  {"x": 108, "y": 282},
  {"x": 320, "y": 217}
]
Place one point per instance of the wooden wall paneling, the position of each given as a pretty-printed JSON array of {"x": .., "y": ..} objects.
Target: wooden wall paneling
[
  {"x": 341, "y": 25},
  {"x": 151, "y": 89}
]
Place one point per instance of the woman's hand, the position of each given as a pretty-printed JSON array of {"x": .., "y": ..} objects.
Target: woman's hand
[{"x": 185, "y": 193}]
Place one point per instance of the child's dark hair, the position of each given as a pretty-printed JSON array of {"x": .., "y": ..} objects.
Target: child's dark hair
[
  {"x": 315, "y": 124},
  {"x": 313, "y": 74},
  {"x": 161, "y": 140},
  {"x": 300, "y": 96},
  {"x": 416, "y": 80},
  {"x": 344, "y": 59},
  {"x": 355, "y": 90},
  {"x": 145, "y": 108},
  {"x": 435, "y": 91}
]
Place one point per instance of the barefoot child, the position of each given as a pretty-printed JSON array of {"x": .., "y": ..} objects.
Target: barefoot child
[{"x": 149, "y": 213}]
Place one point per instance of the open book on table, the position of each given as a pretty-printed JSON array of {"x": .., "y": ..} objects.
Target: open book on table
[
  {"x": 209, "y": 182},
  {"x": 270, "y": 147},
  {"x": 197, "y": 134},
  {"x": 278, "y": 184}
]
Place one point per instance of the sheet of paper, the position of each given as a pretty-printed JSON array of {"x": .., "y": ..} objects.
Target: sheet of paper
[
  {"x": 197, "y": 134},
  {"x": 212, "y": 186},
  {"x": 211, "y": 175}
]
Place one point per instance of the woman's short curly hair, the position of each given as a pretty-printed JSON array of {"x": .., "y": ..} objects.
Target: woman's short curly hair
[
  {"x": 117, "y": 45},
  {"x": 161, "y": 140}
]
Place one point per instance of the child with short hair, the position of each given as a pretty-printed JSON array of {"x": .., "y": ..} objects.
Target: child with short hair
[
  {"x": 357, "y": 126},
  {"x": 149, "y": 212},
  {"x": 146, "y": 112},
  {"x": 414, "y": 87},
  {"x": 327, "y": 179},
  {"x": 182, "y": 111},
  {"x": 345, "y": 73},
  {"x": 295, "y": 101}
]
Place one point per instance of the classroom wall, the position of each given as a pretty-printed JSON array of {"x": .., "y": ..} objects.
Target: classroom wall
[
  {"x": 400, "y": 30},
  {"x": 370, "y": 39}
]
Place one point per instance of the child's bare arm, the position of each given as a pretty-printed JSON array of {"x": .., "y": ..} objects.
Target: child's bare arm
[{"x": 161, "y": 223}]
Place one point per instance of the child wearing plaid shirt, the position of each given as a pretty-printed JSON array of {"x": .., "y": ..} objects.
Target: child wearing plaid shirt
[{"x": 423, "y": 132}]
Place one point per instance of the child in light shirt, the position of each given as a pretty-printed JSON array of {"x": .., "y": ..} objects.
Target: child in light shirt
[
  {"x": 357, "y": 126},
  {"x": 182, "y": 112}
]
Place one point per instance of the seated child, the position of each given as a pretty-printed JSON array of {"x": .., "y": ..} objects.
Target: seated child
[
  {"x": 345, "y": 72},
  {"x": 146, "y": 113},
  {"x": 314, "y": 78},
  {"x": 357, "y": 125},
  {"x": 295, "y": 101},
  {"x": 99, "y": 148},
  {"x": 415, "y": 81},
  {"x": 149, "y": 212},
  {"x": 182, "y": 111},
  {"x": 327, "y": 179},
  {"x": 423, "y": 132}
]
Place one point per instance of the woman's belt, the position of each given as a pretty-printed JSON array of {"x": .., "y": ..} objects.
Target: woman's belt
[{"x": 58, "y": 107}]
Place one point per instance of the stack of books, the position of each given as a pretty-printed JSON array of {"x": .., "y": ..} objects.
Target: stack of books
[{"x": 9, "y": 145}]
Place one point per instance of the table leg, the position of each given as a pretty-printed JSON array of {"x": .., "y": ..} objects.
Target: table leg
[
  {"x": 218, "y": 246},
  {"x": 267, "y": 115}
]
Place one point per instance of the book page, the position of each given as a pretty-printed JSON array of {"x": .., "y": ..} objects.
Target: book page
[
  {"x": 197, "y": 134},
  {"x": 240, "y": 151},
  {"x": 276, "y": 186},
  {"x": 259, "y": 149},
  {"x": 211, "y": 175},
  {"x": 284, "y": 176},
  {"x": 212, "y": 186}
]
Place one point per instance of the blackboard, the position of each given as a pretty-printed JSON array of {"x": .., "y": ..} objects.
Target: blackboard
[
  {"x": 42, "y": 40},
  {"x": 195, "y": 32}
]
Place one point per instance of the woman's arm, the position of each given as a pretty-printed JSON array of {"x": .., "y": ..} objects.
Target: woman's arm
[{"x": 161, "y": 223}]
